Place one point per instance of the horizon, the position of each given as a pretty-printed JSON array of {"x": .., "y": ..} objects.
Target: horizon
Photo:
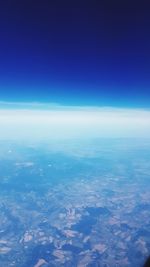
[{"x": 54, "y": 121}]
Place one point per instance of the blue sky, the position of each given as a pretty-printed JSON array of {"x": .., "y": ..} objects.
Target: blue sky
[
  {"x": 75, "y": 53},
  {"x": 74, "y": 69}
]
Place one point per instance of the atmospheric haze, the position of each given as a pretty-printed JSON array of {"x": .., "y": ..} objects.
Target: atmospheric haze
[{"x": 43, "y": 122}]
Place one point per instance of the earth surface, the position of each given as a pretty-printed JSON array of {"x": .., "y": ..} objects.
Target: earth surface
[{"x": 75, "y": 203}]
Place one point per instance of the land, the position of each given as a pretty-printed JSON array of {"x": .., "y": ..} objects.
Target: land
[{"x": 86, "y": 205}]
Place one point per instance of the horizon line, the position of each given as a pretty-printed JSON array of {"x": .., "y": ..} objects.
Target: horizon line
[{"x": 36, "y": 105}]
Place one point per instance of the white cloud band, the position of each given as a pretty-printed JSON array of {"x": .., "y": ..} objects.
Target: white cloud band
[{"x": 72, "y": 122}]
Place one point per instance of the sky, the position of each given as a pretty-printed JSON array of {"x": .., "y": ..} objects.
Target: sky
[
  {"x": 74, "y": 69},
  {"x": 75, "y": 53}
]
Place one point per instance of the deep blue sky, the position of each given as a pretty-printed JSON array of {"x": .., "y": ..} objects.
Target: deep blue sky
[{"x": 75, "y": 52}]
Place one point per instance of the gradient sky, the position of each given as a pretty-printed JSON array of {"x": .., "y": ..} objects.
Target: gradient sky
[{"x": 75, "y": 52}]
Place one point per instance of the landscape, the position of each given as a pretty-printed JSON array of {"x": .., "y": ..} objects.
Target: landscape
[
  {"x": 74, "y": 133},
  {"x": 75, "y": 203}
]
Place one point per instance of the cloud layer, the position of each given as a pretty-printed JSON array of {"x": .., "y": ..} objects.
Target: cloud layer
[{"x": 52, "y": 121}]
